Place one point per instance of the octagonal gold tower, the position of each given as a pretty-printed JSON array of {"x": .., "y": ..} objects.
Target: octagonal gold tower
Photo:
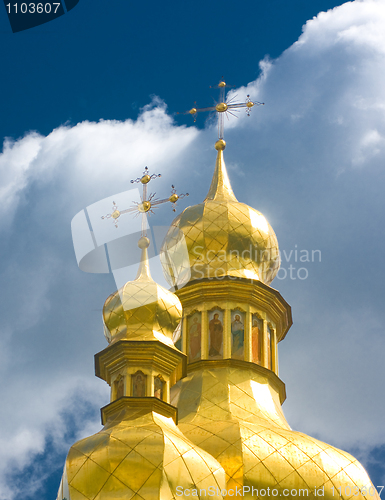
[{"x": 230, "y": 402}]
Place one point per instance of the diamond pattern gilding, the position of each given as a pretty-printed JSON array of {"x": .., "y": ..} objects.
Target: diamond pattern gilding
[
  {"x": 170, "y": 452},
  {"x": 182, "y": 445},
  {"x": 97, "y": 477},
  {"x": 76, "y": 495},
  {"x": 224, "y": 225},
  {"x": 323, "y": 460},
  {"x": 75, "y": 459},
  {"x": 217, "y": 393},
  {"x": 110, "y": 455},
  {"x": 149, "y": 491},
  {"x": 306, "y": 444},
  {"x": 261, "y": 476},
  {"x": 294, "y": 480},
  {"x": 152, "y": 448},
  {"x": 191, "y": 458},
  {"x": 134, "y": 461},
  {"x": 356, "y": 474},
  {"x": 278, "y": 466},
  {"x": 88, "y": 445},
  {"x": 231, "y": 458},
  {"x": 145, "y": 306},
  {"x": 249, "y": 459},
  {"x": 270, "y": 436},
  {"x": 239, "y": 412},
  {"x": 259, "y": 446},
  {"x": 177, "y": 474},
  {"x": 312, "y": 474},
  {"x": 112, "y": 489},
  {"x": 341, "y": 458},
  {"x": 215, "y": 445},
  {"x": 225, "y": 430},
  {"x": 293, "y": 455},
  {"x": 214, "y": 413}
]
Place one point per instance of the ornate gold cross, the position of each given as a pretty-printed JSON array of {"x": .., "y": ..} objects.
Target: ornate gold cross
[
  {"x": 147, "y": 204},
  {"x": 225, "y": 106}
]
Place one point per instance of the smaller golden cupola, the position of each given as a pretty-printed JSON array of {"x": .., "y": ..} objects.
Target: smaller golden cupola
[
  {"x": 139, "y": 321},
  {"x": 142, "y": 309}
]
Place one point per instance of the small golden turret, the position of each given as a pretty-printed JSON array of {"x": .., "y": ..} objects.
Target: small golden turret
[
  {"x": 140, "y": 452},
  {"x": 142, "y": 309}
]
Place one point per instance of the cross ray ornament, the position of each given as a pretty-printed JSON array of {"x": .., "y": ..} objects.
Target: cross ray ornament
[
  {"x": 148, "y": 201},
  {"x": 224, "y": 106}
]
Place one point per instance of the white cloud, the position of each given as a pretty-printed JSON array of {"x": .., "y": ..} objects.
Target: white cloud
[
  {"x": 15, "y": 166},
  {"x": 314, "y": 159},
  {"x": 100, "y": 155}
]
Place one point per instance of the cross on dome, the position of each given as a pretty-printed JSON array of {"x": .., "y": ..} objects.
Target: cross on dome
[
  {"x": 148, "y": 201},
  {"x": 224, "y": 106}
]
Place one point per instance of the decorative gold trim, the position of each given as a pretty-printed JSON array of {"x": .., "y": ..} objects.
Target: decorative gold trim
[
  {"x": 148, "y": 354},
  {"x": 223, "y": 309},
  {"x": 147, "y": 403},
  {"x": 238, "y": 309}
]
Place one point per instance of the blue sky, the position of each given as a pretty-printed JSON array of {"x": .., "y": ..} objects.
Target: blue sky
[{"x": 312, "y": 160}]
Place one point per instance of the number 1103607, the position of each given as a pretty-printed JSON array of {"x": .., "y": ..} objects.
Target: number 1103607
[{"x": 33, "y": 8}]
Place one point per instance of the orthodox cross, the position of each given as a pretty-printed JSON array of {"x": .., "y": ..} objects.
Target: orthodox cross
[
  {"x": 147, "y": 204},
  {"x": 225, "y": 106}
]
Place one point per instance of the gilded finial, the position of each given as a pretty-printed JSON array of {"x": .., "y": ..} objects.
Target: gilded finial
[
  {"x": 220, "y": 145},
  {"x": 220, "y": 188},
  {"x": 144, "y": 266}
]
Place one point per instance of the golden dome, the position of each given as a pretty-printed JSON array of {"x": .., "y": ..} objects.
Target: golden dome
[
  {"x": 142, "y": 309},
  {"x": 234, "y": 413},
  {"x": 139, "y": 454},
  {"x": 220, "y": 237}
]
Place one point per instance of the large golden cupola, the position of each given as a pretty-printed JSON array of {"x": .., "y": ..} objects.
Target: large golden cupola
[{"x": 220, "y": 237}]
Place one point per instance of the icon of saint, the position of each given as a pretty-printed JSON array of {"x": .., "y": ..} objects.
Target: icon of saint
[
  {"x": 256, "y": 332},
  {"x": 195, "y": 338},
  {"x": 216, "y": 336},
  {"x": 120, "y": 388},
  {"x": 158, "y": 388},
  {"x": 139, "y": 385},
  {"x": 238, "y": 333}
]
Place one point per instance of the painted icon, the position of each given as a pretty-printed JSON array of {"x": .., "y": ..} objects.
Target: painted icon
[
  {"x": 119, "y": 384},
  {"x": 139, "y": 384},
  {"x": 194, "y": 336},
  {"x": 269, "y": 349},
  {"x": 158, "y": 387},
  {"x": 256, "y": 338},
  {"x": 216, "y": 334},
  {"x": 237, "y": 334}
]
